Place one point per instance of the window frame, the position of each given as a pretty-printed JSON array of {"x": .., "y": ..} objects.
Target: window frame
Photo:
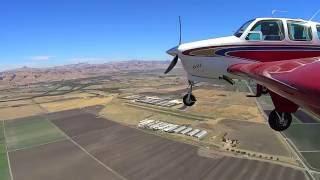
[
  {"x": 281, "y": 28},
  {"x": 318, "y": 30},
  {"x": 248, "y": 24},
  {"x": 310, "y": 31}
]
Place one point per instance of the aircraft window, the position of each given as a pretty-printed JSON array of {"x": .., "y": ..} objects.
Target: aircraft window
[
  {"x": 298, "y": 31},
  {"x": 243, "y": 28},
  {"x": 318, "y": 31},
  {"x": 270, "y": 30}
]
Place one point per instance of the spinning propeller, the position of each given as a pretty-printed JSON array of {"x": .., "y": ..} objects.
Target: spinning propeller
[{"x": 176, "y": 57}]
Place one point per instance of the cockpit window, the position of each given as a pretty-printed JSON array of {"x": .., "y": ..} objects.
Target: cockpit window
[
  {"x": 299, "y": 31},
  {"x": 243, "y": 28},
  {"x": 318, "y": 31},
  {"x": 270, "y": 30}
]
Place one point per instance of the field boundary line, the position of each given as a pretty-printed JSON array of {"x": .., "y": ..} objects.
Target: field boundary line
[
  {"x": 311, "y": 151},
  {"x": 37, "y": 145},
  {"x": 90, "y": 155},
  {"x": 7, "y": 152},
  {"x": 301, "y": 123}
]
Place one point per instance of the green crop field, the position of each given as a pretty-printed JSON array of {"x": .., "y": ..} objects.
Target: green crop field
[
  {"x": 2, "y": 140},
  {"x": 313, "y": 159},
  {"x": 304, "y": 136},
  {"x": 4, "y": 169},
  {"x": 29, "y": 132}
]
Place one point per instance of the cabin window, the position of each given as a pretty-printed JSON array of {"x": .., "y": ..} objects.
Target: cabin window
[
  {"x": 299, "y": 31},
  {"x": 318, "y": 31},
  {"x": 243, "y": 28},
  {"x": 269, "y": 30}
]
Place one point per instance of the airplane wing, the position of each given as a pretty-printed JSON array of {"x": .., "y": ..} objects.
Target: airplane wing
[{"x": 295, "y": 80}]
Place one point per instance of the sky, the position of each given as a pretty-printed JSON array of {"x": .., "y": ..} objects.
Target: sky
[{"x": 42, "y": 33}]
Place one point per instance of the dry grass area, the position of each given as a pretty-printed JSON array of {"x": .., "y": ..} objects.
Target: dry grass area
[
  {"x": 174, "y": 119},
  {"x": 15, "y": 103},
  {"x": 240, "y": 112},
  {"x": 226, "y": 105},
  {"x": 173, "y": 88},
  {"x": 75, "y": 103},
  {"x": 61, "y": 97},
  {"x": 20, "y": 112},
  {"x": 124, "y": 114}
]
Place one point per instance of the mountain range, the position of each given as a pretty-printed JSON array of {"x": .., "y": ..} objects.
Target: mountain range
[{"x": 27, "y": 75}]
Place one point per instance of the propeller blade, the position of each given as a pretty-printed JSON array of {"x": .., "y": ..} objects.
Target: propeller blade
[
  {"x": 179, "y": 30},
  {"x": 172, "y": 64}
]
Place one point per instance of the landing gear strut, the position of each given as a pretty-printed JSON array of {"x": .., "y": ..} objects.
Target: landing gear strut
[
  {"x": 189, "y": 99},
  {"x": 279, "y": 121}
]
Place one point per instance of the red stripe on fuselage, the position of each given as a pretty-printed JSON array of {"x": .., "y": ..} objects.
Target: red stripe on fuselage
[{"x": 267, "y": 56}]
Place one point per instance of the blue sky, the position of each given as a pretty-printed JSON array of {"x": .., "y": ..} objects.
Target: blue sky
[{"x": 43, "y": 33}]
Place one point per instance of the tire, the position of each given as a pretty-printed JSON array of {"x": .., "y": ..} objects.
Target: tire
[
  {"x": 189, "y": 102},
  {"x": 275, "y": 122}
]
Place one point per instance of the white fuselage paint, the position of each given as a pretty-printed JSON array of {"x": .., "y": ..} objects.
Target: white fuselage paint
[{"x": 208, "y": 68}]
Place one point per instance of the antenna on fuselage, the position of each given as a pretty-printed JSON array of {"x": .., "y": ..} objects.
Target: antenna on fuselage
[
  {"x": 314, "y": 15},
  {"x": 276, "y": 10}
]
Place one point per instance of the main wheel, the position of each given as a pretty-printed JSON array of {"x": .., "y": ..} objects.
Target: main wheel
[
  {"x": 279, "y": 121},
  {"x": 189, "y": 100}
]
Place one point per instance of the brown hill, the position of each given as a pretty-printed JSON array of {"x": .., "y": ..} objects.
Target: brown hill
[{"x": 28, "y": 75}]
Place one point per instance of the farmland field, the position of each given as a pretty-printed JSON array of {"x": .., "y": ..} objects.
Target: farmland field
[
  {"x": 87, "y": 129},
  {"x": 2, "y": 140},
  {"x": 304, "y": 136},
  {"x": 313, "y": 158},
  {"x": 19, "y": 112},
  {"x": 22, "y": 133},
  {"x": 4, "y": 170}
]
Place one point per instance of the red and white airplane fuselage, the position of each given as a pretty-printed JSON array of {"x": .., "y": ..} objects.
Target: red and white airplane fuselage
[{"x": 276, "y": 44}]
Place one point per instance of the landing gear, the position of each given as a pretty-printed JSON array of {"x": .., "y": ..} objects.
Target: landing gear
[
  {"x": 279, "y": 121},
  {"x": 189, "y": 99},
  {"x": 260, "y": 90}
]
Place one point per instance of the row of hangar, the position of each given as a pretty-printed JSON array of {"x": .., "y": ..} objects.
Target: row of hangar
[
  {"x": 154, "y": 100},
  {"x": 172, "y": 128}
]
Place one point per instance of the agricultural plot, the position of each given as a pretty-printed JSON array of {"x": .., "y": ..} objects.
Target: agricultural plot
[
  {"x": 74, "y": 125},
  {"x": 20, "y": 112},
  {"x": 137, "y": 155},
  {"x": 75, "y": 103},
  {"x": 23, "y": 133},
  {"x": 4, "y": 169},
  {"x": 56, "y": 161},
  {"x": 255, "y": 137},
  {"x": 313, "y": 159},
  {"x": 305, "y": 117},
  {"x": 304, "y": 136},
  {"x": 108, "y": 150},
  {"x": 2, "y": 140},
  {"x": 306, "y": 139}
]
